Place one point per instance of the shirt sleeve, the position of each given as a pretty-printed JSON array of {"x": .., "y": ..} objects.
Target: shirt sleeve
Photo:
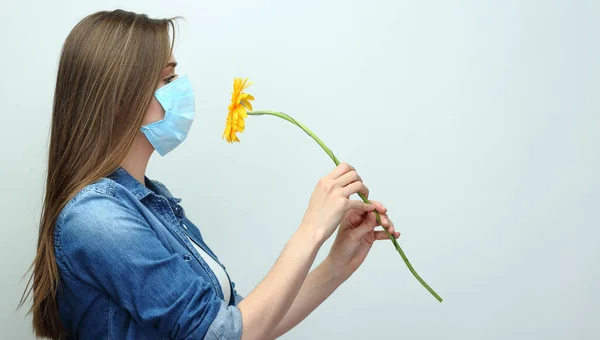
[
  {"x": 238, "y": 299},
  {"x": 106, "y": 244}
]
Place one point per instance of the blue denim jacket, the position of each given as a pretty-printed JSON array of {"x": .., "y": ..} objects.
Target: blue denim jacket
[{"x": 128, "y": 270}]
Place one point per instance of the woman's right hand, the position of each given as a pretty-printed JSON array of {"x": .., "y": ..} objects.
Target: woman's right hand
[
  {"x": 265, "y": 306},
  {"x": 330, "y": 200}
]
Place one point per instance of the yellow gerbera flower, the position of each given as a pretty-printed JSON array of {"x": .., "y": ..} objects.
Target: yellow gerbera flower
[{"x": 238, "y": 110}]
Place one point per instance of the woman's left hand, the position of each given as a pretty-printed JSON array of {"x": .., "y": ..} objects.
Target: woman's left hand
[{"x": 355, "y": 237}]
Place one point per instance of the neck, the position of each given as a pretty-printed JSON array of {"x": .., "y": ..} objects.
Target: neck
[{"x": 137, "y": 159}]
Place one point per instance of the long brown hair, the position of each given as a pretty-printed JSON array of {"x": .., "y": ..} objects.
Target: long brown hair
[{"x": 109, "y": 68}]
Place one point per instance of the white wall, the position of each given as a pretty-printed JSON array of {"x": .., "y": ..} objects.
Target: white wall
[{"x": 475, "y": 122}]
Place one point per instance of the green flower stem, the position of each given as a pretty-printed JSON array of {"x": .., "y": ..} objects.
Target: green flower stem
[{"x": 337, "y": 162}]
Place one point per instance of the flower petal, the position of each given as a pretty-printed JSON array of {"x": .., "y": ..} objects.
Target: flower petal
[
  {"x": 247, "y": 104},
  {"x": 241, "y": 110}
]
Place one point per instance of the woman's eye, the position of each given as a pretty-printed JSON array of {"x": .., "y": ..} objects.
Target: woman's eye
[{"x": 169, "y": 79}]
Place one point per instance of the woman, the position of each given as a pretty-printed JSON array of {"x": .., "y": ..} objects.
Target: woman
[{"x": 117, "y": 257}]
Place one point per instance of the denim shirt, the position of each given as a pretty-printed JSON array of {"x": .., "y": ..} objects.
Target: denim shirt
[{"x": 128, "y": 270}]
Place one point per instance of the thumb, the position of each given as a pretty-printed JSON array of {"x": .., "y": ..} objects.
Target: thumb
[
  {"x": 360, "y": 205},
  {"x": 366, "y": 226}
]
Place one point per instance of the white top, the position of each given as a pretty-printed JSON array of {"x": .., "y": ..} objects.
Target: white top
[{"x": 217, "y": 269}]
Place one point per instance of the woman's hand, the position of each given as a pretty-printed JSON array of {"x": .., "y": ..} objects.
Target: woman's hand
[
  {"x": 330, "y": 200},
  {"x": 355, "y": 237}
]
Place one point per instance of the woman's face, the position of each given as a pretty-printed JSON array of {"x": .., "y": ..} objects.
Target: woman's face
[{"x": 155, "y": 110}]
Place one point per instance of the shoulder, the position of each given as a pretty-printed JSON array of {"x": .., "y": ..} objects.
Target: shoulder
[{"x": 99, "y": 211}]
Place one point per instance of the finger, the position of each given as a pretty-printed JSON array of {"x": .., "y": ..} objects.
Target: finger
[
  {"x": 362, "y": 230},
  {"x": 382, "y": 235},
  {"x": 356, "y": 187},
  {"x": 386, "y": 222},
  {"x": 340, "y": 170},
  {"x": 390, "y": 229},
  {"x": 381, "y": 209},
  {"x": 355, "y": 217},
  {"x": 360, "y": 205},
  {"x": 347, "y": 178},
  {"x": 370, "y": 223}
]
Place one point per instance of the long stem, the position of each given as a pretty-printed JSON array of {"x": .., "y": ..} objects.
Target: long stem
[{"x": 337, "y": 162}]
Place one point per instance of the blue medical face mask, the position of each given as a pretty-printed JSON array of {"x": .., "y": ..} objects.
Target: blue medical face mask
[{"x": 177, "y": 99}]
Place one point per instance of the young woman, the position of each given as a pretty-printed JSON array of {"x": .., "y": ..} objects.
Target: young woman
[{"x": 117, "y": 257}]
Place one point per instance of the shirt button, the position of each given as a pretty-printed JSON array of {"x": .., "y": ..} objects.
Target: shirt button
[{"x": 187, "y": 257}]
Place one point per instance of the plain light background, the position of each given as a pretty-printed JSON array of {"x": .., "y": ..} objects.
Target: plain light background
[{"x": 475, "y": 122}]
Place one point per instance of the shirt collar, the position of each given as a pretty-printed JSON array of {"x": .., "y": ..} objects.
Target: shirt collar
[{"x": 140, "y": 191}]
